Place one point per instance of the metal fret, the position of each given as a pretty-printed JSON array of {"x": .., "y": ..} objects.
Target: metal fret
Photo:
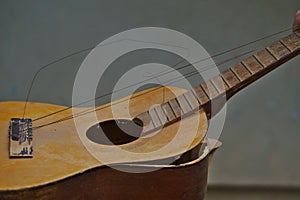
[
  {"x": 278, "y": 50},
  {"x": 209, "y": 89},
  {"x": 161, "y": 115},
  {"x": 220, "y": 84},
  {"x": 240, "y": 71},
  {"x": 184, "y": 105},
  {"x": 147, "y": 122},
  {"x": 168, "y": 111},
  {"x": 252, "y": 65},
  {"x": 192, "y": 100},
  {"x": 230, "y": 78},
  {"x": 297, "y": 33},
  {"x": 292, "y": 42},
  {"x": 265, "y": 58},
  {"x": 230, "y": 81},
  {"x": 175, "y": 107},
  {"x": 157, "y": 123},
  {"x": 200, "y": 94}
]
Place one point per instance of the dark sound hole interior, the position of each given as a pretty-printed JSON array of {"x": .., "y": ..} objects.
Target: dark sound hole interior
[{"x": 115, "y": 132}]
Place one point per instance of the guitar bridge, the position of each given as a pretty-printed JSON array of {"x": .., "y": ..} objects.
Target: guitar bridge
[{"x": 20, "y": 138}]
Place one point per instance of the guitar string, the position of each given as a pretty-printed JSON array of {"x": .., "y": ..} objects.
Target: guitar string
[
  {"x": 47, "y": 65},
  {"x": 174, "y": 80},
  {"x": 70, "y": 117},
  {"x": 160, "y": 74},
  {"x": 101, "y": 107}
]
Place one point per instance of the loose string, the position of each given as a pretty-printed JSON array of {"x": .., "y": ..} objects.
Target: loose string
[
  {"x": 160, "y": 74},
  {"x": 179, "y": 78},
  {"x": 47, "y": 65}
]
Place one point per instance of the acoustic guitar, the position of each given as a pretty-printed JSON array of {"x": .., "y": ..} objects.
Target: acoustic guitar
[{"x": 40, "y": 157}]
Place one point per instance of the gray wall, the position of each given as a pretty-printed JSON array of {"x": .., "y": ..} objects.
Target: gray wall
[{"x": 261, "y": 134}]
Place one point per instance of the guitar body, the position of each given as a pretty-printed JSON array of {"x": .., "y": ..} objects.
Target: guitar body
[
  {"x": 186, "y": 180},
  {"x": 61, "y": 160},
  {"x": 70, "y": 155}
]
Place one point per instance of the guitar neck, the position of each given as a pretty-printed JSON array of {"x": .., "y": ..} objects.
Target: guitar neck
[
  {"x": 226, "y": 84},
  {"x": 235, "y": 78}
]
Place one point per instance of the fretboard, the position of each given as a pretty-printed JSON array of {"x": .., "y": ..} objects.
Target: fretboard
[{"x": 227, "y": 83}]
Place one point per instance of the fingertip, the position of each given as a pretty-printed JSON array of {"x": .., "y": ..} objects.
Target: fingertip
[{"x": 296, "y": 24}]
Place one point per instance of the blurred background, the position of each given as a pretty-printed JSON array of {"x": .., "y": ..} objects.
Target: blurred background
[{"x": 259, "y": 158}]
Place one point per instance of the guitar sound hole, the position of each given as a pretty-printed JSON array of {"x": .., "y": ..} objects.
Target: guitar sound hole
[{"x": 115, "y": 132}]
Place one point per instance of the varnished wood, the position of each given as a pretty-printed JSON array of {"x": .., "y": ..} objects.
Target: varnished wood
[
  {"x": 249, "y": 70},
  {"x": 209, "y": 89},
  {"x": 200, "y": 94},
  {"x": 168, "y": 111},
  {"x": 147, "y": 122},
  {"x": 184, "y": 105},
  {"x": 292, "y": 42},
  {"x": 175, "y": 107},
  {"x": 105, "y": 183},
  {"x": 154, "y": 117},
  {"x": 161, "y": 115},
  {"x": 192, "y": 100},
  {"x": 220, "y": 84},
  {"x": 278, "y": 50},
  {"x": 61, "y": 146},
  {"x": 185, "y": 179},
  {"x": 230, "y": 78},
  {"x": 262, "y": 63},
  {"x": 252, "y": 65},
  {"x": 59, "y": 152},
  {"x": 265, "y": 58},
  {"x": 241, "y": 72}
]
